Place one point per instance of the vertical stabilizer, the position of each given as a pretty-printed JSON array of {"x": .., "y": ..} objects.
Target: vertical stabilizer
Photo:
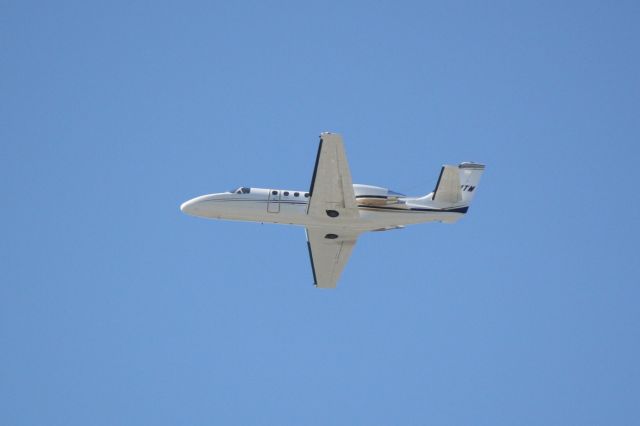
[
  {"x": 448, "y": 186},
  {"x": 470, "y": 174}
]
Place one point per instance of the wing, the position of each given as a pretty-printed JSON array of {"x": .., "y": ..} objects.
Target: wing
[
  {"x": 329, "y": 251},
  {"x": 331, "y": 186}
]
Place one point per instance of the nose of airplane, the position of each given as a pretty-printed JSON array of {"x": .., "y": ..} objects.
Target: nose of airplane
[{"x": 189, "y": 207}]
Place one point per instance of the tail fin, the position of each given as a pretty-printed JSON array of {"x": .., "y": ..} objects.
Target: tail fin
[
  {"x": 448, "y": 186},
  {"x": 457, "y": 184},
  {"x": 469, "y": 179}
]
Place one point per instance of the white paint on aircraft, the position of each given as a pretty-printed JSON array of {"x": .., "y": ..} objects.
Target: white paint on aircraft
[{"x": 335, "y": 211}]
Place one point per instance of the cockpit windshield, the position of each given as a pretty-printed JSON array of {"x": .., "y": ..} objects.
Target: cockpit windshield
[{"x": 241, "y": 190}]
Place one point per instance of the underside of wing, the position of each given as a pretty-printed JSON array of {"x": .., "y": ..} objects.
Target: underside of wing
[
  {"x": 329, "y": 250},
  {"x": 331, "y": 185}
]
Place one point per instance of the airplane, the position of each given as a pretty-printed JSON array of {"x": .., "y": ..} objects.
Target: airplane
[{"x": 335, "y": 211}]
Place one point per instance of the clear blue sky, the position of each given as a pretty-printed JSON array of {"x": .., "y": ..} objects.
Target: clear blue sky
[{"x": 115, "y": 308}]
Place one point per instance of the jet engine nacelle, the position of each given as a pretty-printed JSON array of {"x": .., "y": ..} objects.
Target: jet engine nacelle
[{"x": 369, "y": 195}]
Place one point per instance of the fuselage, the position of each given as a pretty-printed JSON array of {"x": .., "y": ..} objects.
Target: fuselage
[{"x": 378, "y": 210}]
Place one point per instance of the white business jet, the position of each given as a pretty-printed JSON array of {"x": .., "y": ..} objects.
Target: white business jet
[{"x": 335, "y": 211}]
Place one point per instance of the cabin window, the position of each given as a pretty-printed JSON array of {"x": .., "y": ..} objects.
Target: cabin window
[
  {"x": 286, "y": 193},
  {"x": 274, "y": 192},
  {"x": 306, "y": 195},
  {"x": 296, "y": 194}
]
